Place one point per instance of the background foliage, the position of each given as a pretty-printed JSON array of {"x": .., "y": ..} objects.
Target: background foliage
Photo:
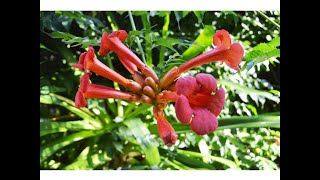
[{"x": 114, "y": 134}]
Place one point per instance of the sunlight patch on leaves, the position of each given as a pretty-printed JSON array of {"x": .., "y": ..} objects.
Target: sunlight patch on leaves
[
  {"x": 262, "y": 52},
  {"x": 73, "y": 40},
  {"x": 138, "y": 130},
  {"x": 248, "y": 90}
]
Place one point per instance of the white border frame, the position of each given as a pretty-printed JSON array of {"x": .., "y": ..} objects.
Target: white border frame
[
  {"x": 208, "y": 5},
  {"x": 160, "y": 174}
]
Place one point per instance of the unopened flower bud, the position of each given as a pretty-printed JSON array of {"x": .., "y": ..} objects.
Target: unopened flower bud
[
  {"x": 145, "y": 99},
  {"x": 134, "y": 87},
  {"x": 147, "y": 90},
  {"x": 150, "y": 82}
]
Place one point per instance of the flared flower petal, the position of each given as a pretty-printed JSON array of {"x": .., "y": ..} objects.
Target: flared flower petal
[
  {"x": 186, "y": 86},
  {"x": 217, "y": 102},
  {"x": 207, "y": 83},
  {"x": 120, "y": 34},
  {"x": 183, "y": 110},
  {"x": 104, "y": 50},
  {"x": 166, "y": 131},
  {"x": 84, "y": 82},
  {"x": 80, "y": 64},
  {"x": 233, "y": 56},
  {"x": 222, "y": 39},
  {"x": 203, "y": 122},
  {"x": 105, "y": 42},
  {"x": 80, "y": 101}
]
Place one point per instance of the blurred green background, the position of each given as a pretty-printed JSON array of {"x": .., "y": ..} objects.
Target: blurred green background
[{"x": 114, "y": 134}]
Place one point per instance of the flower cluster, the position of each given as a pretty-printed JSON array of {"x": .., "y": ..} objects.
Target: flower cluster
[{"x": 198, "y": 102}]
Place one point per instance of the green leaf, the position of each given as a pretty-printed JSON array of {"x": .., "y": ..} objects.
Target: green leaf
[
  {"x": 66, "y": 103},
  {"x": 84, "y": 154},
  {"x": 49, "y": 149},
  {"x": 267, "y": 164},
  {"x": 71, "y": 14},
  {"x": 163, "y": 13},
  {"x": 178, "y": 15},
  {"x": 90, "y": 162},
  {"x": 44, "y": 47},
  {"x": 143, "y": 137},
  {"x": 221, "y": 160},
  {"x": 74, "y": 40},
  {"x": 262, "y": 52},
  {"x": 252, "y": 108},
  {"x": 51, "y": 89},
  {"x": 199, "y": 15},
  {"x": 204, "y": 149},
  {"x": 248, "y": 90},
  {"x": 234, "y": 15},
  {"x": 45, "y": 99},
  {"x": 168, "y": 42},
  {"x": 229, "y": 13},
  {"x": 185, "y": 13},
  {"x": 191, "y": 161},
  {"x": 53, "y": 127},
  {"x": 63, "y": 35},
  {"x": 203, "y": 41},
  {"x": 139, "y": 13},
  {"x": 224, "y": 161},
  {"x": 249, "y": 122},
  {"x": 269, "y": 120},
  {"x": 135, "y": 33},
  {"x": 175, "y": 164},
  {"x": 275, "y": 42},
  {"x": 140, "y": 109}
]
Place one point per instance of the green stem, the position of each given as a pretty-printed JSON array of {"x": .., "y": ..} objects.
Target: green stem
[
  {"x": 147, "y": 35},
  {"x": 272, "y": 21},
  {"x": 164, "y": 36},
  {"x": 173, "y": 164},
  {"x": 224, "y": 161},
  {"x": 137, "y": 39}
]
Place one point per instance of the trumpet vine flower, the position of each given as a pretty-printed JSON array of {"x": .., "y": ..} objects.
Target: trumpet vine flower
[{"x": 197, "y": 99}]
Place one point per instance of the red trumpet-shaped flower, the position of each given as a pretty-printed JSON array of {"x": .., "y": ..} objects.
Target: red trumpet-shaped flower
[
  {"x": 225, "y": 51},
  {"x": 195, "y": 103},
  {"x": 88, "y": 61},
  {"x": 120, "y": 35},
  {"x": 114, "y": 43},
  {"x": 166, "y": 132},
  {"x": 88, "y": 90}
]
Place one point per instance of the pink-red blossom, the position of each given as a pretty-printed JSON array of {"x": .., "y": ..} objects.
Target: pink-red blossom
[{"x": 197, "y": 99}]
